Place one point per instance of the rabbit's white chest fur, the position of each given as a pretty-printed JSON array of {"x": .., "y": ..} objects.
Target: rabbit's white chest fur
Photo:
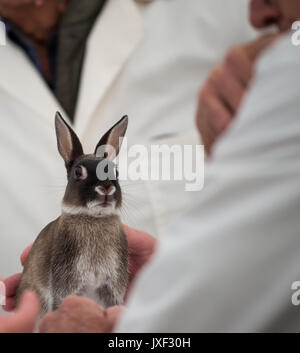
[{"x": 93, "y": 280}]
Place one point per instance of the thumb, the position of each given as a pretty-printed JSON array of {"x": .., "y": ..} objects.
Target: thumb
[
  {"x": 113, "y": 316},
  {"x": 24, "y": 319},
  {"x": 255, "y": 48}
]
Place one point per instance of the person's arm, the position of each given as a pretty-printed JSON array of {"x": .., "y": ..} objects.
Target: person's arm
[{"x": 230, "y": 263}]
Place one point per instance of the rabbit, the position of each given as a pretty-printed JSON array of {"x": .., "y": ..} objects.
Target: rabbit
[{"x": 83, "y": 252}]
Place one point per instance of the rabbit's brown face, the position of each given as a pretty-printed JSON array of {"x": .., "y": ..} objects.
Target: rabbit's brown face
[
  {"x": 87, "y": 193},
  {"x": 93, "y": 186}
]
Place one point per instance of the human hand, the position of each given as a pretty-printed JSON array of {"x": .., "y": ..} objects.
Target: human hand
[
  {"x": 141, "y": 247},
  {"x": 23, "y": 320},
  {"x": 80, "y": 315},
  {"x": 222, "y": 94},
  {"x": 12, "y": 284}
]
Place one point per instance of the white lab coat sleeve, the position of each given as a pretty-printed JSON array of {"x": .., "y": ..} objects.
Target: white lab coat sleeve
[{"x": 229, "y": 264}]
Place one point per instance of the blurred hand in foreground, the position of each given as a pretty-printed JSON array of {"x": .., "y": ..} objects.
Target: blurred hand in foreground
[
  {"x": 24, "y": 319},
  {"x": 80, "y": 315},
  {"x": 222, "y": 94}
]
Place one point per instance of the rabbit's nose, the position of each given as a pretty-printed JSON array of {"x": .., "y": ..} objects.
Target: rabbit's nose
[{"x": 101, "y": 190}]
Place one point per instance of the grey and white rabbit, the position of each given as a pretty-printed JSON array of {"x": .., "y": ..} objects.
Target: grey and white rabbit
[{"x": 83, "y": 252}]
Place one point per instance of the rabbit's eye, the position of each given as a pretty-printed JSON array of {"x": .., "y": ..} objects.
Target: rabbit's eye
[{"x": 80, "y": 172}]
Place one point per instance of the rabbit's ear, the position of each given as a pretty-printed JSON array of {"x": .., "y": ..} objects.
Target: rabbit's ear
[
  {"x": 68, "y": 143},
  {"x": 110, "y": 143}
]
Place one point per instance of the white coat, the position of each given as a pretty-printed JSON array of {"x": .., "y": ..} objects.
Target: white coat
[
  {"x": 232, "y": 263},
  {"x": 146, "y": 60}
]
